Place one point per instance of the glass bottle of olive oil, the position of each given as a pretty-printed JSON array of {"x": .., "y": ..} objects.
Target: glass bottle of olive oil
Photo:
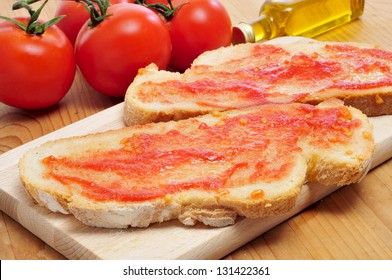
[{"x": 306, "y": 18}]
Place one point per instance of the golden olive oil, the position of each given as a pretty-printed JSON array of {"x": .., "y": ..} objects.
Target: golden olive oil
[{"x": 306, "y": 18}]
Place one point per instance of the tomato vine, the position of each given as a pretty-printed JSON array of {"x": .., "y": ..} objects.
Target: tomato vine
[
  {"x": 167, "y": 11},
  {"x": 96, "y": 15},
  {"x": 33, "y": 26}
]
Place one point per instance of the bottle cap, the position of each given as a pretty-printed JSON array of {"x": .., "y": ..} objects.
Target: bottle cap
[{"x": 243, "y": 33}]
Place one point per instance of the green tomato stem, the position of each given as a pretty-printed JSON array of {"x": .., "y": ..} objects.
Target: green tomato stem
[
  {"x": 96, "y": 16},
  {"x": 166, "y": 11}
]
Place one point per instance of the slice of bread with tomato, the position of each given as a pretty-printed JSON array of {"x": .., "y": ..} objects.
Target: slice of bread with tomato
[
  {"x": 210, "y": 169},
  {"x": 249, "y": 75}
]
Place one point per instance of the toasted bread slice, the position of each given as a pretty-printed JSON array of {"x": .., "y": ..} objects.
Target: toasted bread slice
[
  {"x": 254, "y": 74},
  {"x": 208, "y": 169}
]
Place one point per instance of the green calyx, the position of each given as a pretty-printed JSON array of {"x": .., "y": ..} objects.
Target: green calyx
[
  {"x": 96, "y": 15},
  {"x": 33, "y": 26},
  {"x": 166, "y": 11}
]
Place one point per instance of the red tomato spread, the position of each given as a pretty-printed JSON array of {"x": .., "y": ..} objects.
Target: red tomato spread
[
  {"x": 234, "y": 151},
  {"x": 272, "y": 75}
]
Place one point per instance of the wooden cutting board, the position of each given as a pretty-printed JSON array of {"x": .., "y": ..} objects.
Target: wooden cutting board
[{"x": 169, "y": 240}]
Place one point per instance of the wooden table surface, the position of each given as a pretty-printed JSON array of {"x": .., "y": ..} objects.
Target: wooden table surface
[{"x": 354, "y": 222}]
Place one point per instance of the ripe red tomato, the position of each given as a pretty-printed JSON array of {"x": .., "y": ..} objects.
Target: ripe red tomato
[
  {"x": 36, "y": 71},
  {"x": 197, "y": 26},
  {"x": 110, "y": 54},
  {"x": 76, "y": 15}
]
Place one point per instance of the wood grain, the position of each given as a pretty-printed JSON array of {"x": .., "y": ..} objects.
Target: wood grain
[
  {"x": 354, "y": 222},
  {"x": 77, "y": 241}
]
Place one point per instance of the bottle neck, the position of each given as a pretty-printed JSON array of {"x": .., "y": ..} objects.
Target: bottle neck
[
  {"x": 258, "y": 30},
  {"x": 357, "y": 8}
]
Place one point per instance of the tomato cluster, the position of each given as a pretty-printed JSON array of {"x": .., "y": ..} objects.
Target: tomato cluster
[
  {"x": 170, "y": 34},
  {"x": 109, "y": 41}
]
